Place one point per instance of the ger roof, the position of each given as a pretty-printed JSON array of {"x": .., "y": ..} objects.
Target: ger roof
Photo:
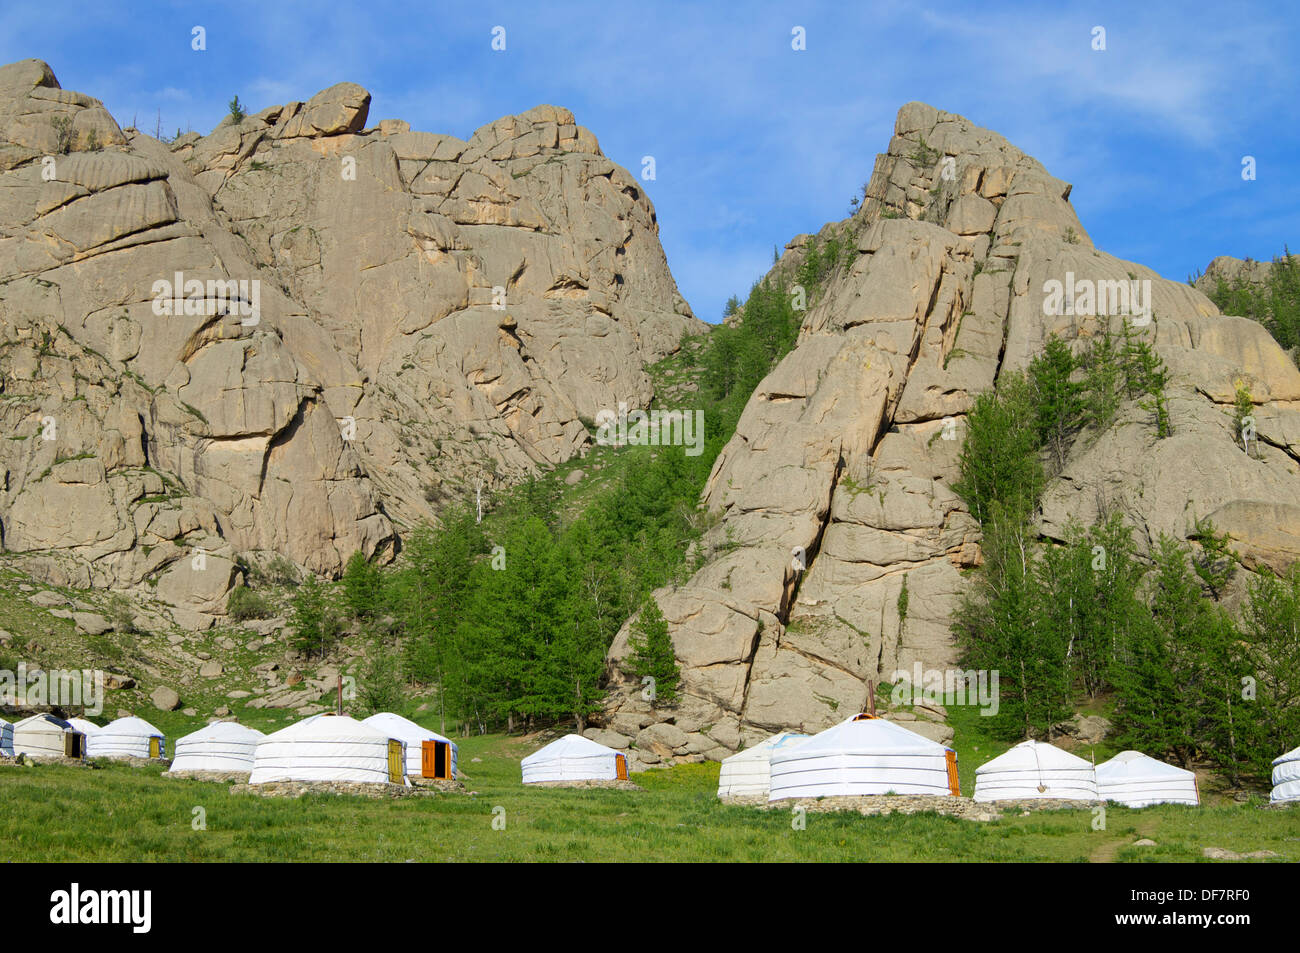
[
  {"x": 403, "y": 728},
  {"x": 859, "y": 735},
  {"x": 1033, "y": 756},
  {"x": 570, "y": 746}
]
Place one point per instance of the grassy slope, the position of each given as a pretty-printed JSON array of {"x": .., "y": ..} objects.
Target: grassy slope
[
  {"x": 132, "y": 814},
  {"x": 675, "y": 379},
  {"x": 144, "y": 656}
]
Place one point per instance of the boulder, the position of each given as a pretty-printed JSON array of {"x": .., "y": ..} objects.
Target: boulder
[
  {"x": 165, "y": 699},
  {"x": 1086, "y": 729},
  {"x": 47, "y": 597},
  {"x": 90, "y": 623},
  {"x": 340, "y": 109},
  {"x": 610, "y": 739}
]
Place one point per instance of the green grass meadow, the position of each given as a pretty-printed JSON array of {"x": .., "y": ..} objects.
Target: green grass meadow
[{"x": 120, "y": 813}]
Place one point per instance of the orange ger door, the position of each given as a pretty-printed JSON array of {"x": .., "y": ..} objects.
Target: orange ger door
[{"x": 954, "y": 787}]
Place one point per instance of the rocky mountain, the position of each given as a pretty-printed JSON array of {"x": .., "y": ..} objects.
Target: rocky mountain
[
  {"x": 1228, "y": 269},
  {"x": 836, "y": 489},
  {"x": 300, "y": 333}
]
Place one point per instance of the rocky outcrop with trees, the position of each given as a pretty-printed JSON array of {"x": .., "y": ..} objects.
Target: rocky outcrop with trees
[
  {"x": 843, "y": 549},
  {"x": 300, "y": 334}
]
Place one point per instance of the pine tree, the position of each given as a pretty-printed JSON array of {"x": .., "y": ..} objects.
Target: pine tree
[
  {"x": 428, "y": 595},
  {"x": 1142, "y": 370},
  {"x": 580, "y": 646},
  {"x": 652, "y": 653},
  {"x": 1057, "y": 396},
  {"x": 1144, "y": 374},
  {"x": 1215, "y": 562},
  {"x": 1000, "y": 624},
  {"x": 362, "y": 586},
  {"x": 1147, "y": 714},
  {"x": 1275, "y": 304},
  {"x": 1271, "y": 631},
  {"x": 1112, "y": 606},
  {"x": 1284, "y": 300},
  {"x": 1171, "y": 675},
  {"x": 1243, "y": 414},
  {"x": 380, "y": 687},
  {"x": 1103, "y": 380},
  {"x": 999, "y": 457},
  {"x": 315, "y": 621}
]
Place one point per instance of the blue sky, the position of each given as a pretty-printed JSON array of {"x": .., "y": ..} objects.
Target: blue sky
[{"x": 753, "y": 141}]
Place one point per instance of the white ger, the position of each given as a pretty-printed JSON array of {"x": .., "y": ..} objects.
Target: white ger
[
  {"x": 329, "y": 748},
  {"x": 47, "y": 736},
  {"x": 225, "y": 747},
  {"x": 1137, "y": 780},
  {"x": 574, "y": 758},
  {"x": 1286, "y": 777},
  {"x": 863, "y": 755},
  {"x": 748, "y": 772},
  {"x": 1035, "y": 769},
  {"x": 128, "y": 737}
]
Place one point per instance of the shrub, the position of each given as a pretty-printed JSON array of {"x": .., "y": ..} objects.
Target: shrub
[
  {"x": 63, "y": 134},
  {"x": 122, "y": 614},
  {"x": 280, "y": 572},
  {"x": 244, "y": 604}
]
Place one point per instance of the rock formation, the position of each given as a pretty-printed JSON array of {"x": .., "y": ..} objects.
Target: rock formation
[
  {"x": 298, "y": 334},
  {"x": 837, "y": 484},
  {"x": 1228, "y": 269}
]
